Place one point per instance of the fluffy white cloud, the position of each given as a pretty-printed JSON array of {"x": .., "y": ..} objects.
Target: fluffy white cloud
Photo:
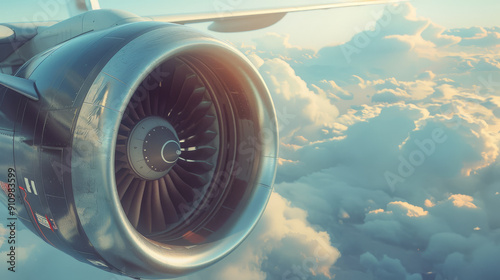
[
  {"x": 469, "y": 32},
  {"x": 334, "y": 91},
  {"x": 399, "y": 44},
  {"x": 460, "y": 200},
  {"x": 300, "y": 110},
  {"x": 411, "y": 210},
  {"x": 405, "y": 175},
  {"x": 283, "y": 246},
  {"x": 273, "y": 45}
]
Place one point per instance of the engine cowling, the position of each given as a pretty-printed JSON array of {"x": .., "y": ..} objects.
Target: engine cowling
[{"x": 152, "y": 149}]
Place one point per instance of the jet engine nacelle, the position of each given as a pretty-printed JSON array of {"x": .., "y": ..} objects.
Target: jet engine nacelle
[{"x": 151, "y": 151}]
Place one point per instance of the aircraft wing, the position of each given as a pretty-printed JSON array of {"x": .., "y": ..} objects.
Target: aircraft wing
[
  {"x": 245, "y": 20},
  {"x": 15, "y": 35}
]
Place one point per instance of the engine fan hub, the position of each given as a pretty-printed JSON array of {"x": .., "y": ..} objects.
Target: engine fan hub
[{"x": 153, "y": 148}]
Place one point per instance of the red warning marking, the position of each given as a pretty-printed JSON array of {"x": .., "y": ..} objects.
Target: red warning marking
[
  {"x": 34, "y": 219},
  {"x": 50, "y": 224}
]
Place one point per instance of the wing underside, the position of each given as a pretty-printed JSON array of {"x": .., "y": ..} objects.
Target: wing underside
[
  {"x": 245, "y": 20},
  {"x": 230, "y": 20}
]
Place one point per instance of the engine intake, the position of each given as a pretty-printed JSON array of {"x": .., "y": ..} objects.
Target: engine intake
[
  {"x": 172, "y": 145},
  {"x": 180, "y": 215}
]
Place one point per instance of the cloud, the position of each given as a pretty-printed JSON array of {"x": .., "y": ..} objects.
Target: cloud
[
  {"x": 332, "y": 90},
  {"x": 386, "y": 268},
  {"x": 282, "y": 246},
  {"x": 277, "y": 46},
  {"x": 395, "y": 44},
  {"x": 398, "y": 38},
  {"x": 422, "y": 107},
  {"x": 469, "y": 32},
  {"x": 426, "y": 76},
  {"x": 411, "y": 210},
  {"x": 436, "y": 34},
  {"x": 392, "y": 91},
  {"x": 460, "y": 200},
  {"x": 297, "y": 106},
  {"x": 477, "y": 36}
]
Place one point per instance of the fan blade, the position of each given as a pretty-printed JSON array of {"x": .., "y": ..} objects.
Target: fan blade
[
  {"x": 194, "y": 100},
  {"x": 131, "y": 112},
  {"x": 146, "y": 215},
  {"x": 120, "y": 165},
  {"x": 201, "y": 153},
  {"x": 195, "y": 166},
  {"x": 129, "y": 196},
  {"x": 121, "y": 137},
  {"x": 127, "y": 120},
  {"x": 168, "y": 207},
  {"x": 146, "y": 102},
  {"x": 124, "y": 128},
  {"x": 194, "y": 180},
  {"x": 155, "y": 102},
  {"x": 156, "y": 207},
  {"x": 121, "y": 148},
  {"x": 120, "y": 175},
  {"x": 195, "y": 128},
  {"x": 139, "y": 107},
  {"x": 184, "y": 94},
  {"x": 196, "y": 115},
  {"x": 125, "y": 185},
  {"x": 176, "y": 197},
  {"x": 182, "y": 71},
  {"x": 199, "y": 139},
  {"x": 184, "y": 189},
  {"x": 123, "y": 158},
  {"x": 165, "y": 95},
  {"x": 135, "y": 207}
]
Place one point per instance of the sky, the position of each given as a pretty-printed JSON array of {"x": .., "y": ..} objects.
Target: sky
[{"x": 389, "y": 145}]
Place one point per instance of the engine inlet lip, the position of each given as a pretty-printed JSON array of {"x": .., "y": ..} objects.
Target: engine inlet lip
[{"x": 99, "y": 210}]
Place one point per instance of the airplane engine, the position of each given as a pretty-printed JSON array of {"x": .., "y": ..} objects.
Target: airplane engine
[{"x": 151, "y": 151}]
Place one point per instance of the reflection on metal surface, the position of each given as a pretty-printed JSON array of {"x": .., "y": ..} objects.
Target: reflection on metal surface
[
  {"x": 208, "y": 92},
  {"x": 22, "y": 86},
  {"x": 146, "y": 148}
]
